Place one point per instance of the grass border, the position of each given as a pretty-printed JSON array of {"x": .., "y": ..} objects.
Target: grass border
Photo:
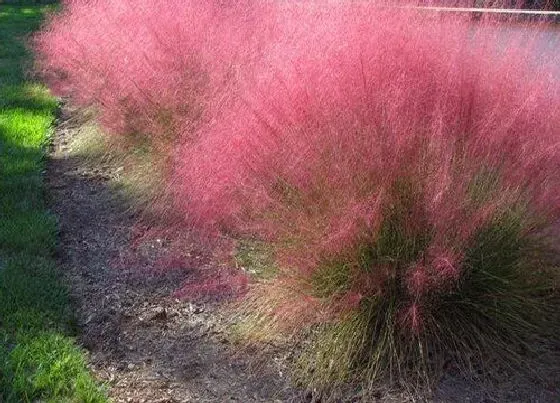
[{"x": 39, "y": 358}]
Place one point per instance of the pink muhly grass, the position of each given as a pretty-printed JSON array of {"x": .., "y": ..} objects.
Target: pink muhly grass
[
  {"x": 386, "y": 145},
  {"x": 149, "y": 67},
  {"x": 399, "y": 162},
  {"x": 324, "y": 134},
  {"x": 152, "y": 71}
]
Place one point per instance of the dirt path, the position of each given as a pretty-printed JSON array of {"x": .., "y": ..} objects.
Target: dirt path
[{"x": 147, "y": 345}]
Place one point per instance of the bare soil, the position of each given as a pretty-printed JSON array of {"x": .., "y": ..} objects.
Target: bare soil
[{"x": 147, "y": 345}]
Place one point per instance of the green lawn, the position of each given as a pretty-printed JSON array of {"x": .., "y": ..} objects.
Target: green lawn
[{"x": 39, "y": 360}]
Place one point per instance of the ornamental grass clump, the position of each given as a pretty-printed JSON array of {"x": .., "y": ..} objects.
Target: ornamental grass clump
[
  {"x": 151, "y": 71},
  {"x": 404, "y": 168},
  {"x": 150, "y": 68}
]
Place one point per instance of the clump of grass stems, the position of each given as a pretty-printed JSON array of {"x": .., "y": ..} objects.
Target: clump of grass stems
[{"x": 489, "y": 321}]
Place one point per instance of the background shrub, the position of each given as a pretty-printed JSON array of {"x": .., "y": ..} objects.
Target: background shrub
[{"x": 149, "y": 68}]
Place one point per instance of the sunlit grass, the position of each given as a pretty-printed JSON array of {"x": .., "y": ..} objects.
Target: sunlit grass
[{"x": 38, "y": 359}]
